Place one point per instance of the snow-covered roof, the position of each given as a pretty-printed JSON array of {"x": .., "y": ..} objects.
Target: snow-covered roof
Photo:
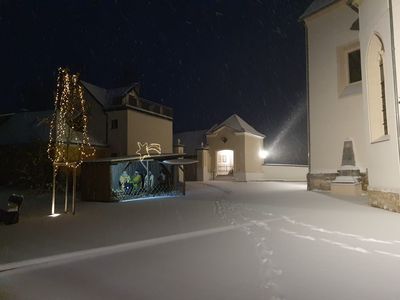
[
  {"x": 108, "y": 97},
  {"x": 30, "y": 126},
  {"x": 97, "y": 92},
  {"x": 24, "y": 127},
  {"x": 237, "y": 124},
  {"x": 111, "y": 98},
  {"x": 316, "y": 6}
]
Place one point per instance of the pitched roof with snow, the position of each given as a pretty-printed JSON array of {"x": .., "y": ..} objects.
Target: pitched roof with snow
[
  {"x": 25, "y": 127},
  {"x": 316, "y": 6},
  {"x": 31, "y": 126},
  {"x": 237, "y": 124},
  {"x": 111, "y": 98},
  {"x": 108, "y": 97}
]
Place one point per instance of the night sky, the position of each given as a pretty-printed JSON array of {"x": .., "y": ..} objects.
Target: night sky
[{"x": 207, "y": 59}]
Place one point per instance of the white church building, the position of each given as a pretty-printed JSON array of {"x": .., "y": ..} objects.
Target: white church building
[{"x": 353, "y": 66}]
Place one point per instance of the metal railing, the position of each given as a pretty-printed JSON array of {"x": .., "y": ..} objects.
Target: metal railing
[
  {"x": 224, "y": 170},
  {"x": 150, "y": 106}
]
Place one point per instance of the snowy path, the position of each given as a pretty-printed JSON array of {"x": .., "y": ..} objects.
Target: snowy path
[{"x": 223, "y": 241}]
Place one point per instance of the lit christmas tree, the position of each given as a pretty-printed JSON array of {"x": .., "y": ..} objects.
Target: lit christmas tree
[
  {"x": 69, "y": 123},
  {"x": 69, "y": 143}
]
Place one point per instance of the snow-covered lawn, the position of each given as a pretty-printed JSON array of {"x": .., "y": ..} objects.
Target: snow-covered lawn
[{"x": 224, "y": 240}]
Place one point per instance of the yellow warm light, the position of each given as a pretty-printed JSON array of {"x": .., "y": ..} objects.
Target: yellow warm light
[
  {"x": 54, "y": 215},
  {"x": 69, "y": 105},
  {"x": 144, "y": 149},
  {"x": 263, "y": 154}
]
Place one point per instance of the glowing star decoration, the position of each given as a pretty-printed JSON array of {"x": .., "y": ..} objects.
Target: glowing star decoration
[
  {"x": 145, "y": 150},
  {"x": 69, "y": 123}
]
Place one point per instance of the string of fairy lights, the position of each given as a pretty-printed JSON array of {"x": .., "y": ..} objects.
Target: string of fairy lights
[{"x": 69, "y": 123}]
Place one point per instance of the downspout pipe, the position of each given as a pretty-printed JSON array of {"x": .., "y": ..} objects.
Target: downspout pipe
[
  {"x": 308, "y": 101},
  {"x": 395, "y": 85}
]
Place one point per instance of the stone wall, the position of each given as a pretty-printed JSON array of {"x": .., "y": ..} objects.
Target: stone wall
[
  {"x": 320, "y": 181},
  {"x": 386, "y": 200},
  {"x": 323, "y": 181}
]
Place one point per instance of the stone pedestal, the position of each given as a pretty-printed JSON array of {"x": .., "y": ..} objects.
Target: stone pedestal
[
  {"x": 180, "y": 149},
  {"x": 346, "y": 185},
  {"x": 348, "y": 181},
  {"x": 203, "y": 158}
]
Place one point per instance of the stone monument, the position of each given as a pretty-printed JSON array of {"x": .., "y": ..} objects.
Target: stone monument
[{"x": 348, "y": 181}]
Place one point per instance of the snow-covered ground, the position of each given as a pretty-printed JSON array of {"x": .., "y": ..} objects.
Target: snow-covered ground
[{"x": 224, "y": 240}]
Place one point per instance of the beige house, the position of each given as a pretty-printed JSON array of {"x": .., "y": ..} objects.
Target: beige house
[
  {"x": 353, "y": 101},
  {"x": 117, "y": 120},
  {"x": 122, "y": 119},
  {"x": 233, "y": 151}
]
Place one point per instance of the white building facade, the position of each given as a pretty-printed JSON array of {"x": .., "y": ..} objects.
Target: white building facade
[{"x": 353, "y": 96}]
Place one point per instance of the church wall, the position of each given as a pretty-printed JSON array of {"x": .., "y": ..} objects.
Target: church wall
[
  {"x": 335, "y": 107},
  {"x": 383, "y": 155}
]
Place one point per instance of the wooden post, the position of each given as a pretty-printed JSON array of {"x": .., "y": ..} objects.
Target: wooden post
[
  {"x": 73, "y": 190},
  {"x": 66, "y": 192},
  {"x": 53, "y": 198},
  {"x": 184, "y": 181}
]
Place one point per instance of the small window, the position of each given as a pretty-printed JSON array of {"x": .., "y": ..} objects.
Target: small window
[
  {"x": 114, "y": 124},
  {"x": 349, "y": 70},
  {"x": 354, "y": 64}
]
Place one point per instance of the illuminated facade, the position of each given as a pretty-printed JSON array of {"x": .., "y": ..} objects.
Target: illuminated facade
[
  {"x": 138, "y": 134},
  {"x": 117, "y": 120},
  {"x": 122, "y": 119},
  {"x": 130, "y": 178},
  {"x": 353, "y": 107},
  {"x": 229, "y": 150}
]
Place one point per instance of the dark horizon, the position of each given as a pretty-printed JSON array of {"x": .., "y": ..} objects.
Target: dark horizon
[{"x": 205, "y": 59}]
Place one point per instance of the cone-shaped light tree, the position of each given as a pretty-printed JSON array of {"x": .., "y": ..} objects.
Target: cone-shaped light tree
[
  {"x": 69, "y": 141},
  {"x": 69, "y": 125}
]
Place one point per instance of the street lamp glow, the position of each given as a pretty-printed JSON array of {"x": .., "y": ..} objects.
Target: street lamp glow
[{"x": 263, "y": 154}]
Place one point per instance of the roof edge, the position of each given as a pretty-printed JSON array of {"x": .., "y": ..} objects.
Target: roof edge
[{"x": 309, "y": 13}]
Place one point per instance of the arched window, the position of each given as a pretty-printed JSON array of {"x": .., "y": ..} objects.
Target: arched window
[
  {"x": 383, "y": 97},
  {"x": 376, "y": 95}
]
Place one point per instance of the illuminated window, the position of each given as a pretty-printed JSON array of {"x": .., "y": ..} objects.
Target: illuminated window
[{"x": 114, "y": 124}]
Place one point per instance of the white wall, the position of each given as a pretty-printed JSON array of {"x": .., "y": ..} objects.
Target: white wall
[
  {"x": 335, "y": 114},
  {"x": 285, "y": 172},
  {"x": 383, "y": 157},
  {"x": 396, "y": 25}
]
